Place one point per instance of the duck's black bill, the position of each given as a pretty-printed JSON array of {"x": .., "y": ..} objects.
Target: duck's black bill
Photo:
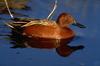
[{"x": 79, "y": 25}]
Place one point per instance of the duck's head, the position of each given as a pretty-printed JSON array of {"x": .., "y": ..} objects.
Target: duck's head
[{"x": 65, "y": 19}]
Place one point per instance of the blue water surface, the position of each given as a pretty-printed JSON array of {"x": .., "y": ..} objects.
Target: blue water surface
[{"x": 85, "y": 12}]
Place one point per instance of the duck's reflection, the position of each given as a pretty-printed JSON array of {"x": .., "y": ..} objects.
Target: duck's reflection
[{"x": 61, "y": 46}]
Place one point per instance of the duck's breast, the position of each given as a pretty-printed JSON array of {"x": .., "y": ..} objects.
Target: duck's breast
[{"x": 53, "y": 32}]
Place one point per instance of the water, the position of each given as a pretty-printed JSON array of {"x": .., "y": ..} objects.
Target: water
[{"x": 86, "y": 12}]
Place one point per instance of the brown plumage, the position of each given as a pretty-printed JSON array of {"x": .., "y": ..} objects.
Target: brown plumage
[{"x": 50, "y": 29}]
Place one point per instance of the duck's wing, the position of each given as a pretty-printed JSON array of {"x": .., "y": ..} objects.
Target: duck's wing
[
  {"x": 30, "y": 23},
  {"x": 40, "y": 22}
]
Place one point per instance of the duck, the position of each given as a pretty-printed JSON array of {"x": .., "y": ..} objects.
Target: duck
[{"x": 49, "y": 29}]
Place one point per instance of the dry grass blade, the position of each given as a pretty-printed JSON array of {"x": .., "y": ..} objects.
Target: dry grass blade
[
  {"x": 9, "y": 25},
  {"x": 54, "y": 8},
  {"x": 8, "y": 9}
]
